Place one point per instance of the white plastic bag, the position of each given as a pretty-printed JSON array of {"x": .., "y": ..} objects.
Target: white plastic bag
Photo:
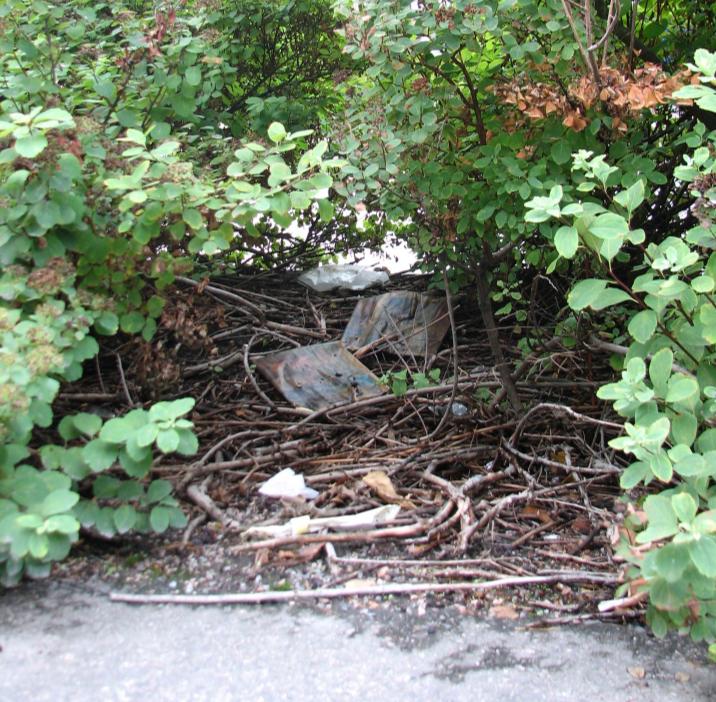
[
  {"x": 347, "y": 276},
  {"x": 287, "y": 484}
]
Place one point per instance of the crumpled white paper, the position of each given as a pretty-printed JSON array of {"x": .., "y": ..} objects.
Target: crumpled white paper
[
  {"x": 287, "y": 484},
  {"x": 349, "y": 276}
]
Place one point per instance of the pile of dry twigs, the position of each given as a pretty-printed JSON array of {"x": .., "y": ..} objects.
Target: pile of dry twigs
[{"x": 489, "y": 494}]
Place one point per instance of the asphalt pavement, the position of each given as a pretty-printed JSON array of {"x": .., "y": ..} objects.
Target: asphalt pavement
[{"x": 61, "y": 642}]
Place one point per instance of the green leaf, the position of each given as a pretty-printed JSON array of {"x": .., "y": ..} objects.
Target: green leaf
[
  {"x": 168, "y": 440},
  {"x": 684, "y": 428},
  {"x": 147, "y": 434},
  {"x": 703, "y": 555},
  {"x": 561, "y": 152},
  {"x": 188, "y": 443},
  {"x": 38, "y": 546},
  {"x": 610, "y": 296},
  {"x": 585, "y": 293},
  {"x": 105, "y": 487},
  {"x": 62, "y": 524},
  {"x": 115, "y": 431},
  {"x": 193, "y": 75},
  {"x": 566, "y": 241},
  {"x": 682, "y": 388},
  {"x": 177, "y": 518},
  {"x": 705, "y": 523},
  {"x": 159, "y": 519},
  {"x": 661, "y": 467},
  {"x": 662, "y": 521},
  {"x": 107, "y": 323},
  {"x": 124, "y": 518},
  {"x": 130, "y": 490},
  {"x": 31, "y": 146},
  {"x": 99, "y": 455},
  {"x": 660, "y": 370},
  {"x": 632, "y": 197},
  {"x": 193, "y": 218},
  {"x": 167, "y": 411},
  {"x": 88, "y": 424},
  {"x": 59, "y": 501},
  {"x": 643, "y": 325},
  {"x": 137, "y": 465},
  {"x": 131, "y": 322},
  {"x": 276, "y": 132},
  {"x": 609, "y": 226},
  {"x": 671, "y": 561},
  {"x": 326, "y": 210},
  {"x": 67, "y": 429},
  {"x": 684, "y": 507},
  {"x": 158, "y": 490}
]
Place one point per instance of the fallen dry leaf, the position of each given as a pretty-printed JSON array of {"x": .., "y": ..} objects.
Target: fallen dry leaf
[
  {"x": 381, "y": 485},
  {"x": 503, "y": 611},
  {"x": 532, "y": 512},
  {"x": 637, "y": 672}
]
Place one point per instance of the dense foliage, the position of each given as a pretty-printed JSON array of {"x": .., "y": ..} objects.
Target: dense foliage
[
  {"x": 668, "y": 385},
  {"x": 110, "y": 184}
]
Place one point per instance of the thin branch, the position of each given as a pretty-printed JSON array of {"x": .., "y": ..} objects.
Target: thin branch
[{"x": 371, "y": 591}]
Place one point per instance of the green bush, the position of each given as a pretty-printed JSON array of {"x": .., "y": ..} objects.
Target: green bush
[
  {"x": 115, "y": 174},
  {"x": 667, "y": 389}
]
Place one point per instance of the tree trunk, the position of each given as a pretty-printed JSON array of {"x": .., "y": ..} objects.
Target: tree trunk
[{"x": 488, "y": 319}]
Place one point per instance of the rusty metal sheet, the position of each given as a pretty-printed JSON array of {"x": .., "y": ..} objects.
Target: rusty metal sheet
[
  {"x": 408, "y": 321},
  {"x": 319, "y": 376}
]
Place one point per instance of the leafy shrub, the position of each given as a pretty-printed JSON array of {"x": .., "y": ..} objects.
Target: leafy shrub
[
  {"x": 667, "y": 390},
  {"x": 115, "y": 175}
]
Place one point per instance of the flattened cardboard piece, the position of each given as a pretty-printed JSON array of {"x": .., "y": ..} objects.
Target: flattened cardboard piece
[
  {"x": 409, "y": 321},
  {"x": 319, "y": 376}
]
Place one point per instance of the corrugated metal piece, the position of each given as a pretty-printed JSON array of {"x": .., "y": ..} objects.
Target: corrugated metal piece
[
  {"x": 319, "y": 376},
  {"x": 406, "y": 320}
]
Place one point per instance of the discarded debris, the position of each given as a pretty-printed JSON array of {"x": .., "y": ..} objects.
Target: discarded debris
[
  {"x": 319, "y": 376},
  {"x": 289, "y": 485},
  {"x": 306, "y": 525},
  {"x": 346, "y": 276},
  {"x": 407, "y": 322}
]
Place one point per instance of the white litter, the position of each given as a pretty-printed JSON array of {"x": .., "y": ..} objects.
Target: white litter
[
  {"x": 306, "y": 525},
  {"x": 348, "y": 276},
  {"x": 287, "y": 484}
]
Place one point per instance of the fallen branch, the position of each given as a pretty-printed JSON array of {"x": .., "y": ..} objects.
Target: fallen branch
[
  {"x": 369, "y": 591},
  {"x": 202, "y": 500}
]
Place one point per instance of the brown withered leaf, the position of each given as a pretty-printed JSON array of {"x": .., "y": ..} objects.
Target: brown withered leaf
[
  {"x": 382, "y": 486},
  {"x": 532, "y": 512},
  {"x": 503, "y": 611}
]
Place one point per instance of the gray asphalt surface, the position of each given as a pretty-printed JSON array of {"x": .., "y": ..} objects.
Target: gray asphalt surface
[{"x": 62, "y": 643}]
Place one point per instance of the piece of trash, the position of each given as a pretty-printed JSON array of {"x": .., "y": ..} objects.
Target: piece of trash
[
  {"x": 319, "y": 376},
  {"x": 360, "y": 520},
  {"x": 294, "y": 527},
  {"x": 305, "y": 525},
  {"x": 637, "y": 672},
  {"x": 359, "y": 583},
  {"x": 287, "y": 484},
  {"x": 347, "y": 276},
  {"x": 457, "y": 409},
  {"x": 407, "y": 321}
]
